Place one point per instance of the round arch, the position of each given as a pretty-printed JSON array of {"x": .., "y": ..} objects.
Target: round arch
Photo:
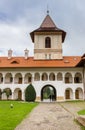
[
  {"x": 79, "y": 93},
  {"x": 18, "y": 94},
  {"x": 68, "y": 93},
  {"x": 48, "y": 92}
]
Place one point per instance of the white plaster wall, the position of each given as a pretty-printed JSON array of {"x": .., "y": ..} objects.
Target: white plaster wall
[{"x": 60, "y": 86}]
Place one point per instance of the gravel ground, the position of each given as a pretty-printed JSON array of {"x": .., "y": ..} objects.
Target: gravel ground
[{"x": 51, "y": 116}]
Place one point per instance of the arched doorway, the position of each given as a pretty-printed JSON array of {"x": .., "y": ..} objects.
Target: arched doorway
[
  {"x": 79, "y": 93},
  {"x": 17, "y": 94},
  {"x": 68, "y": 93},
  {"x": 48, "y": 92}
]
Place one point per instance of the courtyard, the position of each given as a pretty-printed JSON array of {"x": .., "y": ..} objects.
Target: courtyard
[
  {"x": 53, "y": 116},
  {"x": 19, "y": 115}
]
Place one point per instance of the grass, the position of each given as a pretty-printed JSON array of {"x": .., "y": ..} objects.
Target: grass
[
  {"x": 11, "y": 117},
  {"x": 81, "y": 112}
]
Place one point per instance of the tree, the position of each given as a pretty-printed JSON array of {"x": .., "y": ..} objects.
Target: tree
[
  {"x": 30, "y": 93},
  {"x": 8, "y": 92}
]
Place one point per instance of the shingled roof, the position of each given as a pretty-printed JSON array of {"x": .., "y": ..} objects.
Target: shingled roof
[
  {"x": 48, "y": 23},
  {"x": 82, "y": 62},
  {"x": 48, "y": 26},
  {"x": 21, "y": 62}
]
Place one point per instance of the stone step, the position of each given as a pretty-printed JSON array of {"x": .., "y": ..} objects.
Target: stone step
[{"x": 81, "y": 120}]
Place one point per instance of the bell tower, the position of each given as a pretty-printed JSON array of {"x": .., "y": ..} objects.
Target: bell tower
[{"x": 48, "y": 40}]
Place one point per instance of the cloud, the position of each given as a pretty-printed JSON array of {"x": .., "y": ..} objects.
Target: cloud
[
  {"x": 19, "y": 17},
  {"x": 15, "y": 37}
]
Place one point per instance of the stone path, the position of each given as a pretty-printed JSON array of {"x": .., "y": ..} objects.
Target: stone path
[{"x": 49, "y": 116}]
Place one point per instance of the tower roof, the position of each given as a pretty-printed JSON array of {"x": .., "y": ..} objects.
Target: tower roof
[
  {"x": 48, "y": 23},
  {"x": 48, "y": 26}
]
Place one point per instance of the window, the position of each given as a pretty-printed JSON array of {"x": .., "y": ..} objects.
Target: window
[
  {"x": 11, "y": 79},
  {"x": 68, "y": 78},
  {"x": 44, "y": 76},
  {"x": 78, "y": 78},
  {"x": 47, "y": 42},
  {"x": 59, "y": 76},
  {"x": 52, "y": 77},
  {"x": 1, "y": 79},
  {"x": 20, "y": 80}
]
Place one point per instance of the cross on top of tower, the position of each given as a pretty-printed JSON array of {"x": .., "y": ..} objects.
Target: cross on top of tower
[{"x": 47, "y": 10}]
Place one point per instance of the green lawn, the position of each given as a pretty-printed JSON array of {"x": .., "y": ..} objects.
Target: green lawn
[
  {"x": 82, "y": 112},
  {"x": 11, "y": 117}
]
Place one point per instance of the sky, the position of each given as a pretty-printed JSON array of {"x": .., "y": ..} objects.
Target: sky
[{"x": 20, "y": 17}]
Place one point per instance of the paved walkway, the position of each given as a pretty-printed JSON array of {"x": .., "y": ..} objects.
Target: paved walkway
[{"x": 49, "y": 116}]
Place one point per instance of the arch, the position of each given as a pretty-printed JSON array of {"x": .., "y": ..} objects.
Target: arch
[
  {"x": 28, "y": 78},
  {"x": 52, "y": 77},
  {"x": 68, "y": 78},
  {"x": 37, "y": 77},
  {"x": 68, "y": 93},
  {"x": 59, "y": 76},
  {"x": 78, "y": 78},
  {"x": 18, "y": 78},
  {"x": 1, "y": 78},
  {"x": 8, "y": 78},
  {"x": 44, "y": 77},
  {"x": 48, "y": 92},
  {"x": 47, "y": 42},
  {"x": 79, "y": 93},
  {"x": 18, "y": 94},
  {"x": 7, "y": 93}
]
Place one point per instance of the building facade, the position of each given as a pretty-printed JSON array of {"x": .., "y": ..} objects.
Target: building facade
[{"x": 55, "y": 77}]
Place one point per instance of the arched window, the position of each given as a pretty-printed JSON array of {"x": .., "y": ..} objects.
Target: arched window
[
  {"x": 18, "y": 78},
  {"x": 1, "y": 78},
  {"x": 44, "y": 77},
  {"x": 78, "y": 78},
  {"x": 37, "y": 77},
  {"x": 59, "y": 76},
  {"x": 28, "y": 78},
  {"x": 68, "y": 78},
  {"x": 52, "y": 77},
  {"x": 47, "y": 42},
  {"x": 8, "y": 78}
]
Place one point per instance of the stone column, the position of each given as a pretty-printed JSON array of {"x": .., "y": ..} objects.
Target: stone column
[
  {"x": 23, "y": 95},
  {"x": 73, "y": 95},
  {"x": 22, "y": 79},
  {"x": 12, "y": 95},
  {"x": 3, "y": 79}
]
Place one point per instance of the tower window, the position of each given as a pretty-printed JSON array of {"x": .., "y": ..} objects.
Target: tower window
[{"x": 47, "y": 42}]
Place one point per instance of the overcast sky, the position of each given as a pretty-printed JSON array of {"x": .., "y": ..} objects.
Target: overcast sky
[{"x": 19, "y": 17}]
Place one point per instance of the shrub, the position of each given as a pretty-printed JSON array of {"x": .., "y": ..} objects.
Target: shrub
[
  {"x": 8, "y": 92},
  {"x": 30, "y": 94}
]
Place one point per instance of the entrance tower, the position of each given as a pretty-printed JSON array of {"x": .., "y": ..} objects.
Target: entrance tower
[{"x": 48, "y": 39}]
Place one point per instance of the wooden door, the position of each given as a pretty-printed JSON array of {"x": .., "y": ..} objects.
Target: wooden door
[
  {"x": 77, "y": 94},
  {"x": 19, "y": 95},
  {"x": 67, "y": 94}
]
